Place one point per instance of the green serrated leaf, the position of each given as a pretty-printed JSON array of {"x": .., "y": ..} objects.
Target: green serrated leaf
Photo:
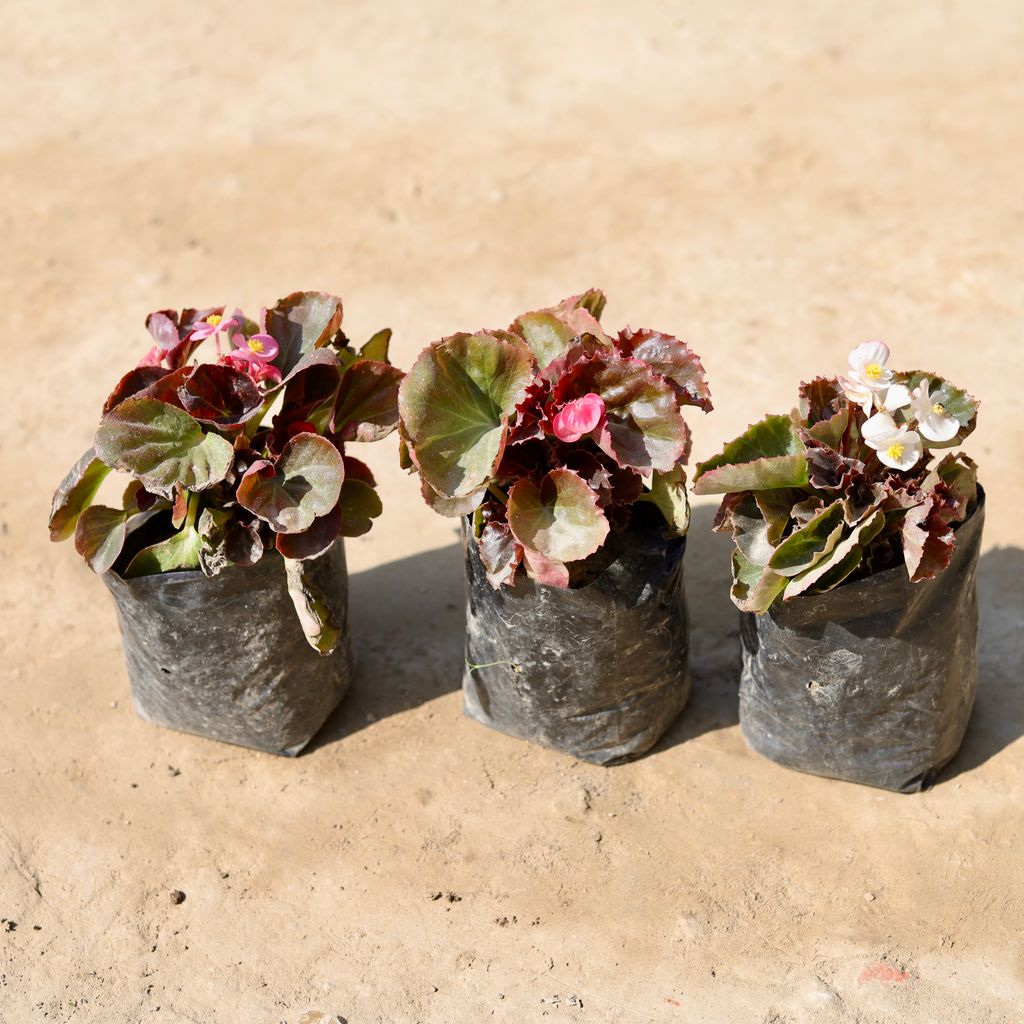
[
  {"x": 754, "y": 587},
  {"x": 766, "y": 455},
  {"x": 807, "y": 546},
  {"x": 75, "y": 494},
  {"x": 844, "y": 558}
]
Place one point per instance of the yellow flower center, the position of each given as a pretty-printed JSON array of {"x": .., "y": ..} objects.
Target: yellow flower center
[
  {"x": 213, "y": 319},
  {"x": 895, "y": 451},
  {"x": 256, "y": 345},
  {"x": 939, "y": 409},
  {"x": 874, "y": 371}
]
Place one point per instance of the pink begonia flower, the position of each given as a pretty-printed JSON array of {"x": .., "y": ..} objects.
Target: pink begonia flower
[
  {"x": 260, "y": 346},
  {"x": 246, "y": 361},
  {"x": 213, "y": 325},
  {"x": 578, "y": 417}
]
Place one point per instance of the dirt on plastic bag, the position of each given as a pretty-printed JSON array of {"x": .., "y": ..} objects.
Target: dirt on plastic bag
[
  {"x": 600, "y": 671},
  {"x": 225, "y": 657},
  {"x": 872, "y": 682}
]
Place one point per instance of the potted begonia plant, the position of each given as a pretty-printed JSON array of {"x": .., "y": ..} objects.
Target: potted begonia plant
[
  {"x": 562, "y": 448},
  {"x": 857, "y": 537},
  {"x": 225, "y": 555}
]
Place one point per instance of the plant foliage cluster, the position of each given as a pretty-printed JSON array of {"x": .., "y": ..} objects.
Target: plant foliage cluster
[
  {"x": 549, "y": 432},
  {"x": 240, "y": 456}
]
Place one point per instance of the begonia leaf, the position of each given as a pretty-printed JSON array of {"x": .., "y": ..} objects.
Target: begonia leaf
[
  {"x": 226, "y": 541},
  {"x": 303, "y": 484},
  {"x": 455, "y": 403},
  {"x": 754, "y": 586},
  {"x": 75, "y": 494},
  {"x": 132, "y": 383},
  {"x": 808, "y": 545},
  {"x": 840, "y": 562},
  {"x": 766, "y": 455},
  {"x": 360, "y": 505},
  {"x": 220, "y": 396},
  {"x": 499, "y": 553},
  {"x": 162, "y": 446},
  {"x": 367, "y": 403},
  {"x": 377, "y": 347},
  {"x": 320, "y": 624},
  {"x": 643, "y": 427},
  {"x": 179, "y": 551},
  {"x": 302, "y": 322},
  {"x": 560, "y": 519},
  {"x": 99, "y": 536},
  {"x": 322, "y": 533},
  {"x": 668, "y": 493},
  {"x": 674, "y": 360}
]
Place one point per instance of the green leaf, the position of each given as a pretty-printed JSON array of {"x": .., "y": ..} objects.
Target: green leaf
[
  {"x": 455, "y": 403},
  {"x": 754, "y": 587},
  {"x": 75, "y": 494},
  {"x": 842, "y": 560},
  {"x": 360, "y": 505},
  {"x": 766, "y": 455},
  {"x": 99, "y": 536},
  {"x": 377, "y": 347},
  {"x": 668, "y": 492},
  {"x": 454, "y": 508},
  {"x": 560, "y": 520},
  {"x": 547, "y": 335},
  {"x": 162, "y": 446},
  {"x": 320, "y": 624},
  {"x": 750, "y": 531},
  {"x": 807, "y": 546},
  {"x": 302, "y": 322},
  {"x": 367, "y": 404},
  {"x": 776, "y": 507},
  {"x": 303, "y": 484},
  {"x": 180, "y": 551}
]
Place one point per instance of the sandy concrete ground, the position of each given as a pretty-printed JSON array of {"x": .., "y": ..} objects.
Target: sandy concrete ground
[{"x": 773, "y": 182}]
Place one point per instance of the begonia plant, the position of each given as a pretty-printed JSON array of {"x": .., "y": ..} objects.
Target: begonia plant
[
  {"x": 213, "y": 483},
  {"x": 549, "y": 433},
  {"x": 847, "y": 485}
]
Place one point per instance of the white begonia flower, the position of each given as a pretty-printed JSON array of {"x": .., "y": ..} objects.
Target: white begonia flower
[
  {"x": 867, "y": 365},
  {"x": 868, "y": 382},
  {"x": 897, "y": 397},
  {"x": 934, "y": 423},
  {"x": 897, "y": 447},
  {"x": 859, "y": 394}
]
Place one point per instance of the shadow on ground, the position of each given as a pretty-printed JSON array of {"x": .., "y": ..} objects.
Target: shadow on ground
[
  {"x": 998, "y": 718},
  {"x": 408, "y": 620},
  {"x": 714, "y": 633}
]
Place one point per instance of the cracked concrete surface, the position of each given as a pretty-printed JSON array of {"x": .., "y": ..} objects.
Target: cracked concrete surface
[{"x": 775, "y": 183}]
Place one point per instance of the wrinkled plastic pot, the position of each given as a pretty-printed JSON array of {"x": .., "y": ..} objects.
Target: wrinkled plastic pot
[
  {"x": 872, "y": 682},
  {"x": 225, "y": 657},
  {"x": 598, "y": 672}
]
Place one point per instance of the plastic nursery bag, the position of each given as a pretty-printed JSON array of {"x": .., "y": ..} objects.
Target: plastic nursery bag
[
  {"x": 598, "y": 672},
  {"x": 225, "y": 656},
  {"x": 872, "y": 682}
]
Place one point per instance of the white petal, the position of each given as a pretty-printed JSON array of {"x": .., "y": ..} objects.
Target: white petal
[
  {"x": 934, "y": 427},
  {"x": 909, "y": 441},
  {"x": 897, "y": 397},
  {"x": 879, "y": 430},
  {"x": 868, "y": 352},
  {"x": 855, "y": 391}
]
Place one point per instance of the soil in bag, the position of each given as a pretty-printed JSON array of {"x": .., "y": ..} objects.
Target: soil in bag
[
  {"x": 598, "y": 671},
  {"x": 872, "y": 682},
  {"x": 225, "y": 656}
]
